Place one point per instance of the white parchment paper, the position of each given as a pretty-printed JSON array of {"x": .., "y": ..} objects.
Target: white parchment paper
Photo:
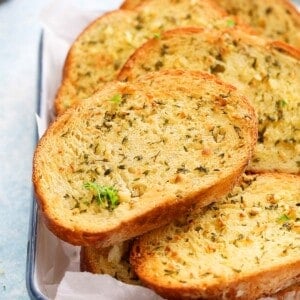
[
  {"x": 57, "y": 263},
  {"x": 100, "y": 287}
]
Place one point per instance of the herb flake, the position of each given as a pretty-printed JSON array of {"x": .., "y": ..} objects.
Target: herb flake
[
  {"x": 283, "y": 218},
  {"x": 116, "y": 99},
  {"x": 105, "y": 195},
  {"x": 230, "y": 23}
]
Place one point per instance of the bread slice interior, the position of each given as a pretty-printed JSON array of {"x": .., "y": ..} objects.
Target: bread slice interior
[
  {"x": 138, "y": 154},
  {"x": 243, "y": 247}
]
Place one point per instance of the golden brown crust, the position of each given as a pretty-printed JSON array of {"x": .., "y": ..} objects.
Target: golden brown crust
[
  {"x": 292, "y": 292},
  {"x": 85, "y": 264},
  {"x": 131, "y": 4},
  {"x": 258, "y": 285},
  {"x": 136, "y": 4},
  {"x": 50, "y": 187},
  {"x": 293, "y": 10},
  {"x": 238, "y": 32},
  {"x": 286, "y": 48}
]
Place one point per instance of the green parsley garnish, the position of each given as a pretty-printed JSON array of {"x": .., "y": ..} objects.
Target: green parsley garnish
[
  {"x": 284, "y": 218},
  {"x": 104, "y": 195},
  {"x": 282, "y": 103},
  {"x": 116, "y": 98},
  {"x": 156, "y": 35},
  {"x": 230, "y": 23}
]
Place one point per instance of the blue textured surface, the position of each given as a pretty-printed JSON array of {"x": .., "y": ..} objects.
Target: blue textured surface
[
  {"x": 19, "y": 34},
  {"x": 19, "y": 38}
]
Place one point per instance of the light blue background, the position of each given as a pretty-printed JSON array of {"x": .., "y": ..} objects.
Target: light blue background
[
  {"x": 19, "y": 33},
  {"x": 19, "y": 37}
]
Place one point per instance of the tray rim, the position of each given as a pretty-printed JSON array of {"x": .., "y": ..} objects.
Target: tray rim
[{"x": 31, "y": 284}]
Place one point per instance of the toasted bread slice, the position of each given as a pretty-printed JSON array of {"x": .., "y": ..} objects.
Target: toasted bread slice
[
  {"x": 136, "y": 155},
  {"x": 131, "y": 4},
  {"x": 243, "y": 247},
  {"x": 267, "y": 72},
  {"x": 100, "y": 51},
  {"x": 274, "y": 19},
  {"x": 113, "y": 260}
]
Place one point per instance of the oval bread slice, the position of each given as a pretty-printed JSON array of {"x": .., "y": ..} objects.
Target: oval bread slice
[
  {"x": 104, "y": 46},
  {"x": 114, "y": 261},
  {"x": 274, "y": 19},
  {"x": 267, "y": 72},
  {"x": 158, "y": 146},
  {"x": 243, "y": 247}
]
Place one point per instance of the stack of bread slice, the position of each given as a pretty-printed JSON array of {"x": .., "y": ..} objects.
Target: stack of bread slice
[
  {"x": 103, "y": 47},
  {"x": 244, "y": 246},
  {"x": 175, "y": 158}
]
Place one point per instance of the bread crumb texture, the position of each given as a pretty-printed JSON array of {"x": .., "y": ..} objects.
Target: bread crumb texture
[
  {"x": 275, "y": 19},
  {"x": 103, "y": 47},
  {"x": 243, "y": 247},
  {"x": 158, "y": 141},
  {"x": 113, "y": 261},
  {"x": 267, "y": 73}
]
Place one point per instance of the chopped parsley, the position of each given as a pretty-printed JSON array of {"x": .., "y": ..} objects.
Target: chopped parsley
[
  {"x": 281, "y": 103},
  {"x": 156, "y": 35},
  {"x": 284, "y": 218},
  {"x": 230, "y": 23},
  {"x": 104, "y": 195},
  {"x": 116, "y": 99}
]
